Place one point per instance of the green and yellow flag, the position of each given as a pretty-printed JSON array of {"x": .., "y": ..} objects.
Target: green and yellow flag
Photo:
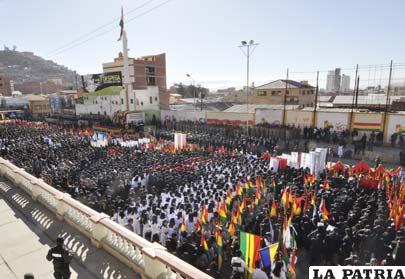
[{"x": 121, "y": 24}]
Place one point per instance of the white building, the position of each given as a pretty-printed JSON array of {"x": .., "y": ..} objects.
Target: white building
[
  {"x": 345, "y": 83},
  {"x": 333, "y": 80},
  {"x": 112, "y": 99}
]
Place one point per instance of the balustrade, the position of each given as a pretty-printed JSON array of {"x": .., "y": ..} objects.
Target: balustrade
[{"x": 151, "y": 260}]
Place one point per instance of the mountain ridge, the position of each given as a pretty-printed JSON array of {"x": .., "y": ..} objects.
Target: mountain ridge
[{"x": 25, "y": 66}]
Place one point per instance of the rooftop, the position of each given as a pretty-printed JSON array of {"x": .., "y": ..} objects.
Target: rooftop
[
  {"x": 282, "y": 83},
  {"x": 374, "y": 99},
  {"x": 253, "y": 107}
]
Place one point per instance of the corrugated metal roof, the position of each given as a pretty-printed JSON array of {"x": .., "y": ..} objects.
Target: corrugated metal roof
[
  {"x": 375, "y": 99},
  {"x": 253, "y": 107},
  {"x": 281, "y": 84}
]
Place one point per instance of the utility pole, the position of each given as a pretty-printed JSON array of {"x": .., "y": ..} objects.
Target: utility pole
[
  {"x": 201, "y": 98},
  {"x": 250, "y": 47},
  {"x": 285, "y": 107},
  {"x": 285, "y": 100},
  {"x": 387, "y": 102},
  {"x": 316, "y": 100},
  {"x": 357, "y": 91},
  {"x": 354, "y": 94}
]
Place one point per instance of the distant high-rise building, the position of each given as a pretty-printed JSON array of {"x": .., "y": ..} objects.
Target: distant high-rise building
[
  {"x": 333, "y": 81},
  {"x": 345, "y": 83}
]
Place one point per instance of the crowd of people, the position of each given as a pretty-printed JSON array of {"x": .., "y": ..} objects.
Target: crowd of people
[{"x": 199, "y": 201}]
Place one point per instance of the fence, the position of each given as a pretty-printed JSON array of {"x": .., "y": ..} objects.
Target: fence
[
  {"x": 151, "y": 260},
  {"x": 338, "y": 120}
]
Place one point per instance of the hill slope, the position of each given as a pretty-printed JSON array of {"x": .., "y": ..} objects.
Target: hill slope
[{"x": 26, "y": 66}]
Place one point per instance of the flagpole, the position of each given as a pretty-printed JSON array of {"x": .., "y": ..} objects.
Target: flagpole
[{"x": 127, "y": 81}]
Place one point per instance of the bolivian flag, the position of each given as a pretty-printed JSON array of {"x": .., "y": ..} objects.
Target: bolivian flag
[
  {"x": 259, "y": 182},
  {"x": 203, "y": 243},
  {"x": 273, "y": 182},
  {"x": 222, "y": 213},
  {"x": 258, "y": 196},
  {"x": 285, "y": 199},
  {"x": 229, "y": 197},
  {"x": 183, "y": 227},
  {"x": 204, "y": 215},
  {"x": 326, "y": 185},
  {"x": 197, "y": 226},
  {"x": 249, "y": 246},
  {"x": 218, "y": 238},
  {"x": 239, "y": 190},
  {"x": 324, "y": 210},
  {"x": 273, "y": 212},
  {"x": 231, "y": 229},
  {"x": 296, "y": 208}
]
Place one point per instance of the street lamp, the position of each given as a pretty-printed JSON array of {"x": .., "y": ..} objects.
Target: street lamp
[{"x": 247, "y": 48}]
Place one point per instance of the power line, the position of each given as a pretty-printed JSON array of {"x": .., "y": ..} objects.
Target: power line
[
  {"x": 111, "y": 29},
  {"x": 361, "y": 67},
  {"x": 98, "y": 28}
]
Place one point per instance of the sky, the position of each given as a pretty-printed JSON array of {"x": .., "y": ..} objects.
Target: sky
[{"x": 201, "y": 37}]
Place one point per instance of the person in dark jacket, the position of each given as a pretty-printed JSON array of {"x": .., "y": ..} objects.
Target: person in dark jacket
[{"x": 61, "y": 259}]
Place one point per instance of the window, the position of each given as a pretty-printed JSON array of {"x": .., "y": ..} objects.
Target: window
[
  {"x": 105, "y": 113},
  {"x": 122, "y": 101},
  {"x": 150, "y": 100},
  {"x": 156, "y": 99},
  {"x": 132, "y": 101},
  {"x": 150, "y": 70},
  {"x": 151, "y": 80},
  {"x": 262, "y": 93},
  {"x": 273, "y": 93},
  {"x": 141, "y": 103},
  {"x": 288, "y": 92}
]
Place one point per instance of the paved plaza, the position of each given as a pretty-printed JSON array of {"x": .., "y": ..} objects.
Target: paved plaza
[{"x": 28, "y": 230}]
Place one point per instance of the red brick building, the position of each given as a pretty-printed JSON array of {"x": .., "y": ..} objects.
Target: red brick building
[
  {"x": 5, "y": 86},
  {"x": 144, "y": 71}
]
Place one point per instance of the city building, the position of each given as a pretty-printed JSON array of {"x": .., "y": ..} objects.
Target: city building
[
  {"x": 396, "y": 89},
  {"x": 333, "y": 81},
  {"x": 274, "y": 93},
  {"x": 5, "y": 86},
  {"x": 345, "y": 83},
  {"x": 143, "y": 72},
  {"x": 398, "y": 104},
  {"x": 106, "y": 102},
  {"x": 38, "y": 104}
]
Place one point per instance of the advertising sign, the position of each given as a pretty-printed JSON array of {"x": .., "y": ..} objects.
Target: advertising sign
[{"x": 95, "y": 82}]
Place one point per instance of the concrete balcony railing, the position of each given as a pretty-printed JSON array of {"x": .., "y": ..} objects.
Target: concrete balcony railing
[{"x": 151, "y": 260}]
